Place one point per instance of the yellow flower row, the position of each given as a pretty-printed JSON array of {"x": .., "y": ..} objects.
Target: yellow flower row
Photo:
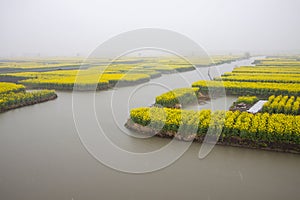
[
  {"x": 268, "y": 69},
  {"x": 84, "y": 81},
  {"x": 261, "y": 78},
  {"x": 22, "y": 98},
  {"x": 247, "y": 99},
  {"x": 181, "y": 96},
  {"x": 282, "y": 104},
  {"x": 261, "y": 127},
  {"x": 249, "y": 88},
  {"x": 10, "y": 87}
]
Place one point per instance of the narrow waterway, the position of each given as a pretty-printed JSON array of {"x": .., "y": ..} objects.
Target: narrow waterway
[{"x": 42, "y": 156}]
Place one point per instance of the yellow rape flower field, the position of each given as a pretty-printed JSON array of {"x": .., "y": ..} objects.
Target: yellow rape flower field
[{"x": 275, "y": 127}]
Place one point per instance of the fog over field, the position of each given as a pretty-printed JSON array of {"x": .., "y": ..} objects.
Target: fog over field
[{"x": 73, "y": 27}]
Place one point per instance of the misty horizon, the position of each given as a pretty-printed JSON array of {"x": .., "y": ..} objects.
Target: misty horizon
[{"x": 75, "y": 28}]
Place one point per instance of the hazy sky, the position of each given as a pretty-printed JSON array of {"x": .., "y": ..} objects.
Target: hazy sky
[{"x": 59, "y": 27}]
